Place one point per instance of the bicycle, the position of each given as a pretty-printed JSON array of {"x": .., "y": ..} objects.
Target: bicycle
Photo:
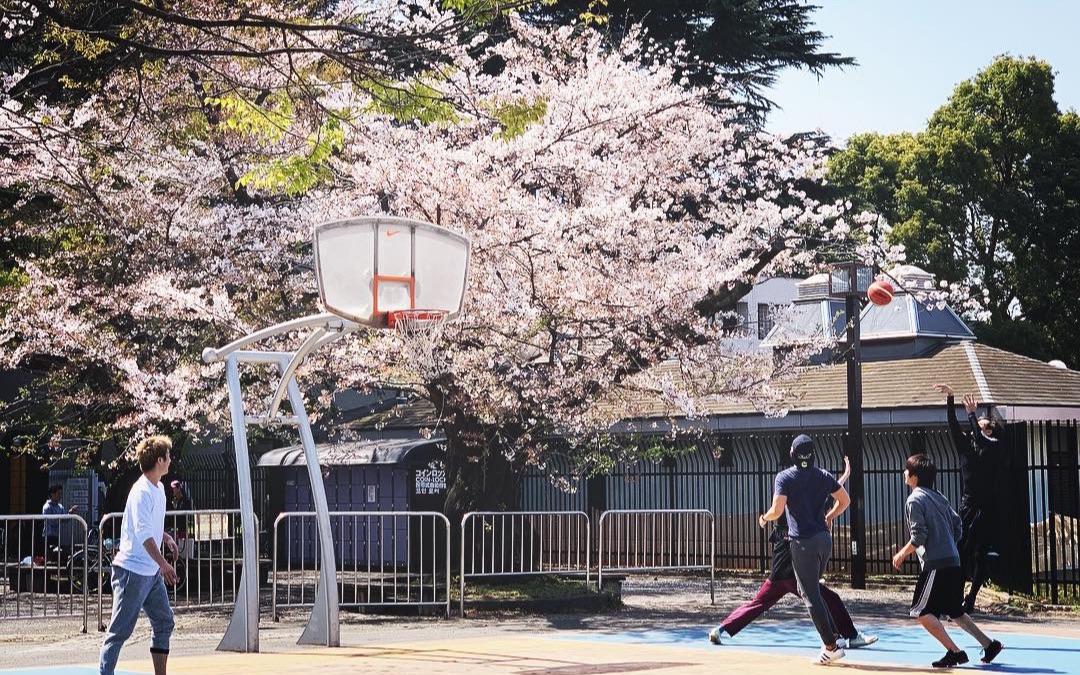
[
  {"x": 97, "y": 572},
  {"x": 99, "y": 568}
]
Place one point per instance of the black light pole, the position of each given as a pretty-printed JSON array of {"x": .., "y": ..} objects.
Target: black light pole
[{"x": 850, "y": 280}]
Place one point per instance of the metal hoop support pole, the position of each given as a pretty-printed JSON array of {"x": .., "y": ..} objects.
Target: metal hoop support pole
[
  {"x": 323, "y": 625},
  {"x": 242, "y": 634}
]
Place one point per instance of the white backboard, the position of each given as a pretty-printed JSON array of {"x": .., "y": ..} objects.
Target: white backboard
[{"x": 369, "y": 266}]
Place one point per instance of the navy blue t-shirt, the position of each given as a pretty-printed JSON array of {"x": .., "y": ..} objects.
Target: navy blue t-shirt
[{"x": 806, "y": 490}]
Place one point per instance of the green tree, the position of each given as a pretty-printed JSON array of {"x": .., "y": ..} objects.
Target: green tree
[
  {"x": 986, "y": 195},
  {"x": 747, "y": 41}
]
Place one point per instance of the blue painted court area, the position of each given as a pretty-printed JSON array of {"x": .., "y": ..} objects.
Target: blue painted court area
[
  {"x": 66, "y": 670},
  {"x": 898, "y": 646}
]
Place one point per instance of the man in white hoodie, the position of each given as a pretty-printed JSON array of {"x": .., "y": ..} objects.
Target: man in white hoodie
[
  {"x": 139, "y": 570},
  {"x": 935, "y": 531}
]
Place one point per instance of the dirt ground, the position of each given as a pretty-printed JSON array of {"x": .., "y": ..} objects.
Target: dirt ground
[{"x": 648, "y": 602}]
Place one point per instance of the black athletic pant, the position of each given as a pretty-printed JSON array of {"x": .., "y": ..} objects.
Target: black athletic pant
[{"x": 974, "y": 549}]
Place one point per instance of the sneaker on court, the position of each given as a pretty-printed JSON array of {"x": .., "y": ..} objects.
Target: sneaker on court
[
  {"x": 714, "y": 635},
  {"x": 842, "y": 643},
  {"x": 861, "y": 640},
  {"x": 829, "y": 656},
  {"x": 991, "y": 651},
  {"x": 951, "y": 659}
]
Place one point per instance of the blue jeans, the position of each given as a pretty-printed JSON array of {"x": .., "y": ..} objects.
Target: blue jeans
[{"x": 132, "y": 593}]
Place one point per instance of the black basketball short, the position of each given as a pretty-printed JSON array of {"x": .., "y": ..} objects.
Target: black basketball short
[{"x": 939, "y": 593}]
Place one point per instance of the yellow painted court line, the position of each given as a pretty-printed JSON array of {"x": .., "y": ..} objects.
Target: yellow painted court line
[{"x": 505, "y": 656}]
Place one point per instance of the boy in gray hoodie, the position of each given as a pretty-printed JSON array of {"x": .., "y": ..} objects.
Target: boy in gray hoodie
[{"x": 935, "y": 531}]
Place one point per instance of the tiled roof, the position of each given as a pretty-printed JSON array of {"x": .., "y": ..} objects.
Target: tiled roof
[
  {"x": 1007, "y": 379},
  {"x": 1018, "y": 380},
  {"x": 1010, "y": 379}
]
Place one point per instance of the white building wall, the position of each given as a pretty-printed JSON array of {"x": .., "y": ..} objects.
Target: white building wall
[{"x": 767, "y": 293}]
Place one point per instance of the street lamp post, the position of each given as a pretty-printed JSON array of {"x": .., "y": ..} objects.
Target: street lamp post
[{"x": 850, "y": 280}]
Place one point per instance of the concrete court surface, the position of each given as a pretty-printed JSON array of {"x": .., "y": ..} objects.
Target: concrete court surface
[{"x": 765, "y": 648}]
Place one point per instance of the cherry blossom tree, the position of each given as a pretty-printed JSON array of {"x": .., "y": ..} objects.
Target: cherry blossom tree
[{"x": 614, "y": 215}]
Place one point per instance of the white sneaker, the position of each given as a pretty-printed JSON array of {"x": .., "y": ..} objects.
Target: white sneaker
[
  {"x": 861, "y": 640},
  {"x": 714, "y": 635},
  {"x": 828, "y": 657},
  {"x": 841, "y": 643}
]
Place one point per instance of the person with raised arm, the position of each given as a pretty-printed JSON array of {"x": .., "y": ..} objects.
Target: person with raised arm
[{"x": 980, "y": 451}]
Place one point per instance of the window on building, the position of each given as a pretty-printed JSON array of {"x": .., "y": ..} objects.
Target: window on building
[{"x": 764, "y": 320}]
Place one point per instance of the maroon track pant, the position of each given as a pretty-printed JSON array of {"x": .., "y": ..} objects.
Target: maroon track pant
[{"x": 771, "y": 592}]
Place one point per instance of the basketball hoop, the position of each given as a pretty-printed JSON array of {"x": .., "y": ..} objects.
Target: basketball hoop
[
  {"x": 414, "y": 320},
  {"x": 421, "y": 331}
]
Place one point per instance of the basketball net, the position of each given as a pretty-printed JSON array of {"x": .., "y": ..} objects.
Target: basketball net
[{"x": 421, "y": 331}]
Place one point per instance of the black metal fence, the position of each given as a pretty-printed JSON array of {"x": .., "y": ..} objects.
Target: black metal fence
[
  {"x": 1047, "y": 474},
  {"x": 210, "y": 479},
  {"x": 732, "y": 476}
]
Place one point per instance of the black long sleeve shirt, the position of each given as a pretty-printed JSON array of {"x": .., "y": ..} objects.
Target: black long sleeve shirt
[{"x": 978, "y": 456}]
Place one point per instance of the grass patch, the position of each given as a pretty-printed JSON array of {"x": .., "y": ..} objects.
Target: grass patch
[{"x": 528, "y": 588}]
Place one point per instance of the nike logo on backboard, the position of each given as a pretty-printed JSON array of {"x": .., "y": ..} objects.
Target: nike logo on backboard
[{"x": 391, "y": 233}]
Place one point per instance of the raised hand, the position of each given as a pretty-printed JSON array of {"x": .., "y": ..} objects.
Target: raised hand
[
  {"x": 847, "y": 472},
  {"x": 944, "y": 389},
  {"x": 969, "y": 403}
]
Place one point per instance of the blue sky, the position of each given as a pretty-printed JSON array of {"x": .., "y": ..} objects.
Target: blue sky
[{"x": 912, "y": 53}]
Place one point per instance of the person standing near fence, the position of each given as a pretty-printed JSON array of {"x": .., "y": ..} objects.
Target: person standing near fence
[
  {"x": 781, "y": 582},
  {"x": 181, "y": 501},
  {"x": 799, "y": 492},
  {"x": 935, "y": 530},
  {"x": 139, "y": 570},
  {"x": 54, "y": 506},
  {"x": 979, "y": 453}
]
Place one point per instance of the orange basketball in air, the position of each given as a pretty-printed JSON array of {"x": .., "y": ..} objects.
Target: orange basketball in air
[{"x": 880, "y": 293}]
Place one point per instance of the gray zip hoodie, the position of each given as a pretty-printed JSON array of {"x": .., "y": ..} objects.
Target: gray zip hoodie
[{"x": 935, "y": 529}]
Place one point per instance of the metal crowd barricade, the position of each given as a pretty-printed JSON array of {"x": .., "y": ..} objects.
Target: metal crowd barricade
[
  {"x": 43, "y": 577},
  {"x": 516, "y": 543},
  {"x": 208, "y": 564},
  {"x": 384, "y": 558},
  {"x": 657, "y": 539}
]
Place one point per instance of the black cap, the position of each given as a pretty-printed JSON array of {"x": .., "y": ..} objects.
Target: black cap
[{"x": 803, "y": 449}]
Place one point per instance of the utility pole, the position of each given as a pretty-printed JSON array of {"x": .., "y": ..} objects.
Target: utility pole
[{"x": 850, "y": 280}]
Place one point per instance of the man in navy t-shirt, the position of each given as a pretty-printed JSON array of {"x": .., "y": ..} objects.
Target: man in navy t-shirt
[{"x": 800, "y": 491}]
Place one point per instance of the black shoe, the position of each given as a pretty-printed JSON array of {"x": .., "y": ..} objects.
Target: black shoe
[
  {"x": 991, "y": 651},
  {"x": 951, "y": 659}
]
